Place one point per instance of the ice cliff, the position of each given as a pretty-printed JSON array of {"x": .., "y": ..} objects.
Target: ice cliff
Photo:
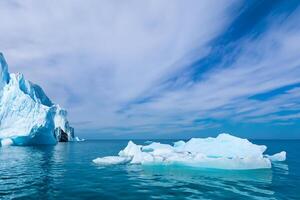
[
  {"x": 223, "y": 152},
  {"x": 27, "y": 115}
]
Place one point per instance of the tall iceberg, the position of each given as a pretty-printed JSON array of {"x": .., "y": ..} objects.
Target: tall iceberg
[{"x": 27, "y": 115}]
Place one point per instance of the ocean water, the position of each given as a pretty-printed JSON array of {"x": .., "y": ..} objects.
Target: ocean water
[{"x": 66, "y": 171}]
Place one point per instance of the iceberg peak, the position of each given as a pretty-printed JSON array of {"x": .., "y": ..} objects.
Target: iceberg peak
[{"x": 4, "y": 75}]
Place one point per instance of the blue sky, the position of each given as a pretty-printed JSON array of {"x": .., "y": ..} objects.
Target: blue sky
[{"x": 162, "y": 69}]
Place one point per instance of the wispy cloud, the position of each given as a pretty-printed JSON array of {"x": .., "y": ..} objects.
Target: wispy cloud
[{"x": 262, "y": 64}]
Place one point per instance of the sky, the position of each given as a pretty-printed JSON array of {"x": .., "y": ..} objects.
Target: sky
[{"x": 162, "y": 68}]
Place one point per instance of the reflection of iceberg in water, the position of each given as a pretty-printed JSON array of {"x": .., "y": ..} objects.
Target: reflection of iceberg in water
[
  {"x": 250, "y": 184},
  {"x": 281, "y": 167},
  {"x": 35, "y": 167},
  {"x": 180, "y": 172},
  {"x": 204, "y": 181}
]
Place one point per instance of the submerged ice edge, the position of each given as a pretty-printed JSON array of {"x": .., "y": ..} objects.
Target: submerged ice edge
[{"x": 223, "y": 152}]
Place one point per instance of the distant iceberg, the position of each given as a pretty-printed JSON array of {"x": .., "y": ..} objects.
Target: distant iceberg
[
  {"x": 27, "y": 115},
  {"x": 223, "y": 152}
]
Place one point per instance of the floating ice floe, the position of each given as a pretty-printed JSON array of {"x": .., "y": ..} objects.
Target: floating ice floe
[
  {"x": 223, "y": 152},
  {"x": 27, "y": 115},
  {"x": 77, "y": 139},
  {"x": 112, "y": 160}
]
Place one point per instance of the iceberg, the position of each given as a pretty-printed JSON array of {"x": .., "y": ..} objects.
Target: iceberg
[
  {"x": 223, "y": 152},
  {"x": 27, "y": 115}
]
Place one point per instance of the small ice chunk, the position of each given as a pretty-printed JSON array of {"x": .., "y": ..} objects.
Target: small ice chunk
[
  {"x": 111, "y": 160},
  {"x": 77, "y": 139},
  {"x": 278, "y": 157},
  {"x": 6, "y": 142}
]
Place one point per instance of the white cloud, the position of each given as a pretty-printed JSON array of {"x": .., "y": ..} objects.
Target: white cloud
[
  {"x": 95, "y": 56},
  {"x": 265, "y": 63}
]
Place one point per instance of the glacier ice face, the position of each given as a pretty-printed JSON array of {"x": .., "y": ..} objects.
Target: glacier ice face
[
  {"x": 27, "y": 115},
  {"x": 223, "y": 152}
]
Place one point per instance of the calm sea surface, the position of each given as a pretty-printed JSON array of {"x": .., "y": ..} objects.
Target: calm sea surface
[{"x": 66, "y": 171}]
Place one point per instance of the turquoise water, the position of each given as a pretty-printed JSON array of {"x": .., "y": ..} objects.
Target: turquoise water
[{"x": 66, "y": 171}]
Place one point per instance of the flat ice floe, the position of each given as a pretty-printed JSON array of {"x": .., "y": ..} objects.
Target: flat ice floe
[{"x": 223, "y": 152}]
